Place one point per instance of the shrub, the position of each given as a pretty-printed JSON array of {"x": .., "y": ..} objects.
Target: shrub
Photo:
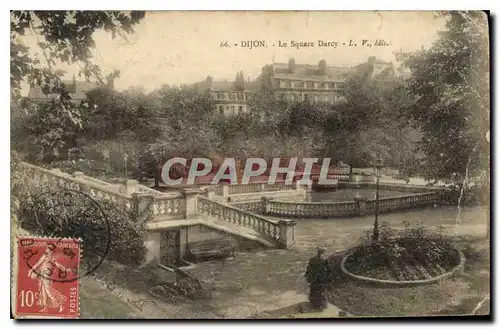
[
  {"x": 45, "y": 211},
  {"x": 399, "y": 252}
]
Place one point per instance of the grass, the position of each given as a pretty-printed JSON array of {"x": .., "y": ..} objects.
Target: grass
[
  {"x": 98, "y": 303},
  {"x": 456, "y": 296}
]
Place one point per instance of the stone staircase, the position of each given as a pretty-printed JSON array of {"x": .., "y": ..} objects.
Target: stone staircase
[
  {"x": 215, "y": 224},
  {"x": 183, "y": 208}
]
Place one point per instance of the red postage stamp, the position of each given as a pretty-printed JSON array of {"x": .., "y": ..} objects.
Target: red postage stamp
[{"x": 47, "y": 281}]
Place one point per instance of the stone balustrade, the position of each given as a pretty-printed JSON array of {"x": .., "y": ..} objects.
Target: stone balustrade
[
  {"x": 363, "y": 178},
  {"x": 282, "y": 231},
  {"x": 294, "y": 209},
  {"x": 338, "y": 176},
  {"x": 358, "y": 207},
  {"x": 253, "y": 206},
  {"x": 77, "y": 181},
  {"x": 241, "y": 189},
  {"x": 133, "y": 196},
  {"x": 152, "y": 205},
  {"x": 404, "y": 202}
]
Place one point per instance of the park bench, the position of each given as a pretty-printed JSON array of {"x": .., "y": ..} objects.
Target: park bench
[{"x": 210, "y": 249}]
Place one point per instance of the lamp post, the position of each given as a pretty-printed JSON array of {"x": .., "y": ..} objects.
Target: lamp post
[{"x": 378, "y": 166}]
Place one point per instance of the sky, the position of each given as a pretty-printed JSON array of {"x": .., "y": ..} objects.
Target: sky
[{"x": 184, "y": 47}]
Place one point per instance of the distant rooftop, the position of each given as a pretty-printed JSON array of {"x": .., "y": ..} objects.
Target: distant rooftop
[
  {"x": 310, "y": 72},
  {"x": 77, "y": 90}
]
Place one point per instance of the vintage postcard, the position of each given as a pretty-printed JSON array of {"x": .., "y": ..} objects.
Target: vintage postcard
[{"x": 250, "y": 164}]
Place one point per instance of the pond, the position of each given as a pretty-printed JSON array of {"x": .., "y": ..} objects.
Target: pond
[{"x": 341, "y": 195}]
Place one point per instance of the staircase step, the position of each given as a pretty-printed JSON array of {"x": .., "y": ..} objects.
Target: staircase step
[
  {"x": 216, "y": 224},
  {"x": 238, "y": 230}
]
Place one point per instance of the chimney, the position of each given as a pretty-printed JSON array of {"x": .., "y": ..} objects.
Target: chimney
[
  {"x": 208, "y": 82},
  {"x": 322, "y": 67},
  {"x": 291, "y": 65}
]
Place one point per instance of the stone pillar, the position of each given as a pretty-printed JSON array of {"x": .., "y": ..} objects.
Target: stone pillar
[
  {"x": 287, "y": 233},
  {"x": 298, "y": 187},
  {"x": 265, "y": 204},
  {"x": 81, "y": 177},
  {"x": 191, "y": 198},
  {"x": 210, "y": 193},
  {"x": 225, "y": 191},
  {"x": 361, "y": 206},
  {"x": 152, "y": 244},
  {"x": 131, "y": 186},
  {"x": 76, "y": 174},
  {"x": 142, "y": 205}
]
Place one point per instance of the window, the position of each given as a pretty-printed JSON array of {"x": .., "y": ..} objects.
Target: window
[
  {"x": 221, "y": 109},
  {"x": 232, "y": 109},
  {"x": 306, "y": 97},
  {"x": 220, "y": 95},
  {"x": 240, "y": 96},
  {"x": 232, "y": 96},
  {"x": 309, "y": 84},
  {"x": 240, "y": 108}
]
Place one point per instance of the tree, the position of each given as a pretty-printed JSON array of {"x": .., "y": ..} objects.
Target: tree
[
  {"x": 239, "y": 82},
  {"x": 266, "y": 79},
  {"x": 53, "y": 129},
  {"x": 370, "y": 123},
  {"x": 64, "y": 37},
  {"x": 450, "y": 90}
]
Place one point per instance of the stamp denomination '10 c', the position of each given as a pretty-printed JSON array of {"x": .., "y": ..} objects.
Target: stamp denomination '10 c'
[{"x": 47, "y": 278}]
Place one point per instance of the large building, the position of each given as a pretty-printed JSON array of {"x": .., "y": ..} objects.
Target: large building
[
  {"x": 229, "y": 99},
  {"x": 293, "y": 82},
  {"x": 305, "y": 82}
]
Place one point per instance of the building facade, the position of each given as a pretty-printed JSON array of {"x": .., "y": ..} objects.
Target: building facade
[
  {"x": 304, "y": 82},
  {"x": 228, "y": 98},
  {"x": 229, "y": 101},
  {"x": 293, "y": 82}
]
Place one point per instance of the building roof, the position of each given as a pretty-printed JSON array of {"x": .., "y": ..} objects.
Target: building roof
[
  {"x": 310, "y": 72},
  {"x": 81, "y": 89},
  {"x": 223, "y": 86}
]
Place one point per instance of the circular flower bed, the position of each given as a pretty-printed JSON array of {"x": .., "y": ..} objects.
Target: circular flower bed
[{"x": 406, "y": 258}]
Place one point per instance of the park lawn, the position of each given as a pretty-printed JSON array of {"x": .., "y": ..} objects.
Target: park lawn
[
  {"x": 96, "y": 302},
  {"x": 458, "y": 295}
]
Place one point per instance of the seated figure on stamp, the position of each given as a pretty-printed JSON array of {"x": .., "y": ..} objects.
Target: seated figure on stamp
[{"x": 49, "y": 297}]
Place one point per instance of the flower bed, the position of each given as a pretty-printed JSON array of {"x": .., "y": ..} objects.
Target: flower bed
[{"x": 404, "y": 258}]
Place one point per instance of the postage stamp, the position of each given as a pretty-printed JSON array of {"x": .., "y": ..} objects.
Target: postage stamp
[{"x": 46, "y": 278}]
